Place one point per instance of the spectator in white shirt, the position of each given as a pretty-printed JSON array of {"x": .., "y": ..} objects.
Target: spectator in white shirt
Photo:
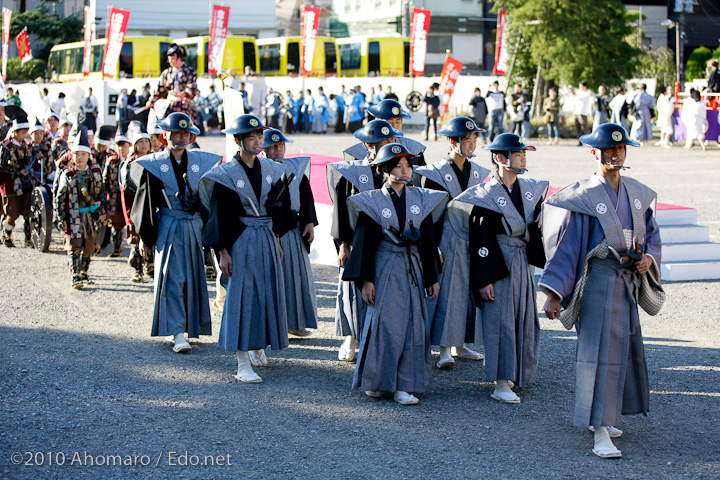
[{"x": 582, "y": 109}]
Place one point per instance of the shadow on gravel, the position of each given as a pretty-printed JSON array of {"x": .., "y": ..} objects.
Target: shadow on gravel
[{"x": 106, "y": 394}]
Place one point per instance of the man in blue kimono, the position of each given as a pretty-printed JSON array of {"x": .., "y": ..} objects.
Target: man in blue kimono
[
  {"x": 167, "y": 215},
  {"x": 603, "y": 246}
]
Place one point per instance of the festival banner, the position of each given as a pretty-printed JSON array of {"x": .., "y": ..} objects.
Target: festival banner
[
  {"x": 418, "y": 40},
  {"x": 23, "y": 46},
  {"x": 117, "y": 26},
  {"x": 450, "y": 73},
  {"x": 7, "y": 16},
  {"x": 87, "y": 52},
  {"x": 310, "y": 26},
  {"x": 501, "y": 50},
  {"x": 218, "y": 36}
]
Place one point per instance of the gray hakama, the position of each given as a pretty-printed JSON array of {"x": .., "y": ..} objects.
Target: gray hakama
[
  {"x": 181, "y": 297},
  {"x": 300, "y": 297},
  {"x": 453, "y": 316},
  {"x": 642, "y": 126},
  {"x": 254, "y": 314},
  {"x": 599, "y": 296},
  {"x": 395, "y": 352},
  {"x": 510, "y": 324},
  {"x": 349, "y": 307}
]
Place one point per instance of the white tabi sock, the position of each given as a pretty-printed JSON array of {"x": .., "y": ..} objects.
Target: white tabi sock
[
  {"x": 446, "y": 359},
  {"x": 604, "y": 446},
  {"x": 245, "y": 372},
  {"x": 180, "y": 339},
  {"x": 503, "y": 393}
]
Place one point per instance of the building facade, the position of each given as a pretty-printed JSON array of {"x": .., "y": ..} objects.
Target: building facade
[{"x": 460, "y": 26}]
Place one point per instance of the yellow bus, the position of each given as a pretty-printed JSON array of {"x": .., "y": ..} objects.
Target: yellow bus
[
  {"x": 139, "y": 57},
  {"x": 282, "y": 56},
  {"x": 363, "y": 56},
  {"x": 239, "y": 53}
]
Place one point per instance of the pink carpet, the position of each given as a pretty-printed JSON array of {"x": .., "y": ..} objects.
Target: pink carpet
[{"x": 318, "y": 181}]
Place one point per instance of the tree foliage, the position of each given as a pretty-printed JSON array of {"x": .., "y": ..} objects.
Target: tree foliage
[
  {"x": 659, "y": 64},
  {"x": 695, "y": 67},
  {"x": 49, "y": 29},
  {"x": 32, "y": 69},
  {"x": 576, "y": 39}
]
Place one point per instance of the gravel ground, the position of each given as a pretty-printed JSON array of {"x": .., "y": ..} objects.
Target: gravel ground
[{"x": 86, "y": 385}]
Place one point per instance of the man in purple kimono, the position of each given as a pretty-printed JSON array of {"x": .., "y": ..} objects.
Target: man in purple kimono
[{"x": 601, "y": 239}]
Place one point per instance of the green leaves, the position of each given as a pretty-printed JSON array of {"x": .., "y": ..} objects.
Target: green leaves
[
  {"x": 48, "y": 28},
  {"x": 576, "y": 39}
]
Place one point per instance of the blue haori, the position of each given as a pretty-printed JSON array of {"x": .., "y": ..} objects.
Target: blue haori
[
  {"x": 181, "y": 298},
  {"x": 300, "y": 297},
  {"x": 254, "y": 315}
]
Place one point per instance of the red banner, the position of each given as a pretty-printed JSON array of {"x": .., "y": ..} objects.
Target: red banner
[
  {"x": 501, "y": 50},
  {"x": 23, "y": 46},
  {"x": 450, "y": 73},
  {"x": 218, "y": 34},
  {"x": 418, "y": 40},
  {"x": 117, "y": 25},
  {"x": 87, "y": 52},
  {"x": 310, "y": 26},
  {"x": 7, "y": 16}
]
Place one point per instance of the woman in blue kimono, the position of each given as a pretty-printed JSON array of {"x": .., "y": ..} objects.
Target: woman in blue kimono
[{"x": 395, "y": 262}]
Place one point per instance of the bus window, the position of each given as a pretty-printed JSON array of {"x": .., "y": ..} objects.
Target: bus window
[
  {"x": 350, "y": 56},
  {"x": 374, "y": 58},
  {"x": 192, "y": 55},
  {"x": 164, "y": 46},
  {"x": 206, "y": 60},
  {"x": 53, "y": 63},
  {"x": 65, "y": 61},
  {"x": 249, "y": 55},
  {"x": 98, "y": 52},
  {"x": 125, "y": 63},
  {"x": 406, "y": 52},
  {"x": 293, "y": 57},
  {"x": 269, "y": 57},
  {"x": 330, "y": 59},
  {"x": 76, "y": 60}
]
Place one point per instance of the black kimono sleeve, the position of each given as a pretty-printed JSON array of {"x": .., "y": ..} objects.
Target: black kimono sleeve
[
  {"x": 307, "y": 208},
  {"x": 429, "y": 253},
  {"x": 307, "y": 204},
  {"x": 280, "y": 209},
  {"x": 223, "y": 226},
  {"x": 535, "y": 249},
  {"x": 361, "y": 264},
  {"x": 490, "y": 266},
  {"x": 146, "y": 207},
  {"x": 340, "y": 229}
]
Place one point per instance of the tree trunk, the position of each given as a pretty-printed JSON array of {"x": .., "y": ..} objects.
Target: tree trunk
[{"x": 539, "y": 92}]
